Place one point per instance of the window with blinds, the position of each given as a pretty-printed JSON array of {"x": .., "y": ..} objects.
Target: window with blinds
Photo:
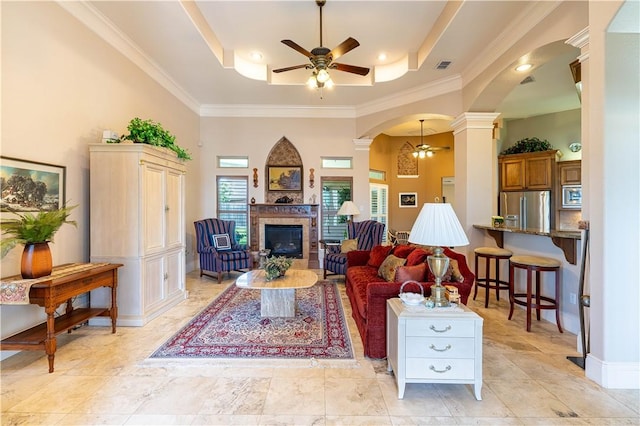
[
  {"x": 335, "y": 191},
  {"x": 232, "y": 194},
  {"x": 379, "y": 204}
]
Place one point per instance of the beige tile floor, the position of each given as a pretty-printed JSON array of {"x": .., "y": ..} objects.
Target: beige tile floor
[{"x": 102, "y": 378}]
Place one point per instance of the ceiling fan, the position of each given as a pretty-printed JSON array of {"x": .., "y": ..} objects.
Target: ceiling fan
[
  {"x": 423, "y": 150},
  {"x": 322, "y": 58}
]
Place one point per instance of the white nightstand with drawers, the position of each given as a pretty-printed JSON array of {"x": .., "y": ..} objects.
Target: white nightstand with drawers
[{"x": 434, "y": 345}]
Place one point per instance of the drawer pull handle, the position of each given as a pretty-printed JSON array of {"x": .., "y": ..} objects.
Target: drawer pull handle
[
  {"x": 432, "y": 368},
  {"x": 446, "y": 348},
  {"x": 447, "y": 328}
]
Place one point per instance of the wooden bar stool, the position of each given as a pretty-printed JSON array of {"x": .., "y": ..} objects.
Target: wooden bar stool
[
  {"x": 537, "y": 264},
  {"x": 488, "y": 282}
]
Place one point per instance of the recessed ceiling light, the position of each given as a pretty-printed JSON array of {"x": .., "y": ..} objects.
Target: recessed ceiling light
[
  {"x": 382, "y": 57},
  {"x": 256, "y": 56},
  {"x": 523, "y": 67}
]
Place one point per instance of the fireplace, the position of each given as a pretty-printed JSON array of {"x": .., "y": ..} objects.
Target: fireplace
[
  {"x": 284, "y": 240},
  {"x": 304, "y": 216}
]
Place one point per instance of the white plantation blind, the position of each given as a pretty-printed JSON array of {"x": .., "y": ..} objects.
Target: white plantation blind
[
  {"x": 232, "y": 194},
  {"x": 379, "y": 204},
  {"x": 335, "y": 190}
]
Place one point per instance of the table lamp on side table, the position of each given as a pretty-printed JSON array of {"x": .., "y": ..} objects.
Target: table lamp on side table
[
  {"x": 437, "y": 225},
  {"x": 348, "y": 208}
]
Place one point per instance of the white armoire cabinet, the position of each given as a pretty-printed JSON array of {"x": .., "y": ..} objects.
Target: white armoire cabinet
[{"x": 137, "y": 219}]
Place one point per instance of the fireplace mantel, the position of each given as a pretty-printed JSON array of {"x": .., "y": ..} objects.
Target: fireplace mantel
[{"x": 305, "y": 214}]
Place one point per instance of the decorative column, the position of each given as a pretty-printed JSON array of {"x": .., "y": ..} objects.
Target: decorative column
[{"x": 475, "y": 171}]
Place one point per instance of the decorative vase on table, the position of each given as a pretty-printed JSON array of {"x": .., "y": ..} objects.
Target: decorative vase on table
[{"x": 36, "y": 260}]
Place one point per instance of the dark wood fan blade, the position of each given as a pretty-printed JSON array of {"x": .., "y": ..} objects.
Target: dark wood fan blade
[
  {"x": 350, "y": 68},
  {"x": 295, "y": 67},
  {"x": 295, "y": 46},
  {"x": 344, "y": 47}
]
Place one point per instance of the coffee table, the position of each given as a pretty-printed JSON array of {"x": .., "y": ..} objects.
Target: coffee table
[{"x": 278, "y": 297}]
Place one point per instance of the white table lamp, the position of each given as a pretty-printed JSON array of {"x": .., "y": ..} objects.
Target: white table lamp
[
  {"x": 348, "y": 208},
  {"x": 437, "y": 225}
]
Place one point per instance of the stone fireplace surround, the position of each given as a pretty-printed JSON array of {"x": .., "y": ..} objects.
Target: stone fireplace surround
[{"x": 286, "y": 214}]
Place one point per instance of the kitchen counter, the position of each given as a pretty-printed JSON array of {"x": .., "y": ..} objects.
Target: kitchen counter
[{"x": 565, "y": 240}]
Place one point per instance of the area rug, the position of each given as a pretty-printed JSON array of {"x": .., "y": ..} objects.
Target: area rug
[{"x": 231, "y": 328}]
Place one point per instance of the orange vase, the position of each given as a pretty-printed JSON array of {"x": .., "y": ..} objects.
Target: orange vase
[{"x": 36, "y": 260}]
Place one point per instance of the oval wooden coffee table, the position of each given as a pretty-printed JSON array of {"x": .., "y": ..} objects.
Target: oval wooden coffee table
[{"x": 278, "y": 297}]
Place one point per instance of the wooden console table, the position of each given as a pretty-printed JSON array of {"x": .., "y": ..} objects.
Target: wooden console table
[{"x": 50, "y": 294}]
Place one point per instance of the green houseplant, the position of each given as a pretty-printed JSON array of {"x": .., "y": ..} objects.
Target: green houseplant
[
  {"x": 35, "y": 231},
  {"x": 276, "y": 266},
  {"x": 528, "y": 145},
  {"x": 152, "y": 133}
]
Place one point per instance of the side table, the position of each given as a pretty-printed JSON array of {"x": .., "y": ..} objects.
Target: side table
[
  {"x": 434, "y": 345},
  {"x": 51, "y": 292}
]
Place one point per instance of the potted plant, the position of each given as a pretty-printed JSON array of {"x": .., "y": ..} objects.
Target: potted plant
[
  {"x": 152, "y": 133},
  {"x": 35, "y": 231},
  {"x": 528, "y": 145},
  {"x": 276, "y": 266}
]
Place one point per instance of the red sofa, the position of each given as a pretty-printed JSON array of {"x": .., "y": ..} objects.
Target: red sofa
[{"x": 368, "y": 294}]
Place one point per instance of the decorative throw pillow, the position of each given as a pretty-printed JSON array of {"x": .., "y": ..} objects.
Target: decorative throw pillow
[
  {"x": 414, "y": 273},
  {"x": 402, "y": 250},
  {"x": 377, "y": 255},
  {"x": 348, "y": 245},
  {"x": 221, "y": 242},
  {"x": 387, "y": 269},
  {"x": 417, "y": 256},
  {"x": 455, "y": 271}
]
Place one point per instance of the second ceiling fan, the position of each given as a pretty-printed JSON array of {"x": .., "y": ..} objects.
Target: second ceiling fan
[{"x": 321, "y": 58}]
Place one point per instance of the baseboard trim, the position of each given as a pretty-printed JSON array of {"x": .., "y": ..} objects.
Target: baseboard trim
[{"x": 613, "y": 375}]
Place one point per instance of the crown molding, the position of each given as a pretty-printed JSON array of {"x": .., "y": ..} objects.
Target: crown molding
[
  {"x": 430, "y": 90},
  {"x": 580, "y": 39},
  {"x": 99, "y": 24},
  {"x": 276, "y": 111},
  {"x": 416, "y": 94}
]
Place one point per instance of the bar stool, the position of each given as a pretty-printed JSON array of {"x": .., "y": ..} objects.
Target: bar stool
[
  {"x": 537, "y": 264},
  {"x": 488, "y": 282}
]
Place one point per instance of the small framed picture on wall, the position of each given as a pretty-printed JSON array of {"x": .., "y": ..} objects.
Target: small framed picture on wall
[{"x": 408, "y": 199}]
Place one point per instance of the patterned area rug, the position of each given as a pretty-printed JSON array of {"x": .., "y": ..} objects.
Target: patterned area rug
[{"x": 231, "y": 328}]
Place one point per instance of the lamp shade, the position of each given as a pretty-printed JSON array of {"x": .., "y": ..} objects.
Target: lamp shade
[
  {"x": 438, "y": 225},
  {"x": 348, "y": 208}
]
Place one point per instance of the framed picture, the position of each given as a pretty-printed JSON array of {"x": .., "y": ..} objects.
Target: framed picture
[
  {"x": 29, "y": 186},
  {"x": 408, "y": 199},
  {"x": 284, "y": 178}
]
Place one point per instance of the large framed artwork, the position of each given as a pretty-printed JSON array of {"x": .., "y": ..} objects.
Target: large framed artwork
[
  {"x": 408, "y": 199},
  {"x": 284, "y": 178},
  {"x": 29, "y": 186}
]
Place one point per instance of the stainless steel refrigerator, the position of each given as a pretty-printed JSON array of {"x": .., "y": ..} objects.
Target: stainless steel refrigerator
[{"x": 526, "y": 210}]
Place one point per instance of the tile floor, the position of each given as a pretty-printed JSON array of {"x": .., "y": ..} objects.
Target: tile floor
[{"x": 102, "y": 378}]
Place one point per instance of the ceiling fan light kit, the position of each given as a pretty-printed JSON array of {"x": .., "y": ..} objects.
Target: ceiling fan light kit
[
  {"x": 321, "y": 59},
  {"x": 423, "y": 150}
]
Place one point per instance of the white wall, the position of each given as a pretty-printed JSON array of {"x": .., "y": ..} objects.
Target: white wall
[
  {"x": 612, "y": 155},
  {"x": 560, "y": 129},
  {"x": 61, "y": 86}
]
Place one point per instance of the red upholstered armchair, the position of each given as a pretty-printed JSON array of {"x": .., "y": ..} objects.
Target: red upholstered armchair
[
  {"x": 368, "y": 233},
  {"x": 218, "y": 249}
]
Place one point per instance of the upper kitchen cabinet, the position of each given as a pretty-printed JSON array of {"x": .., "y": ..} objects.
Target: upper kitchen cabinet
[
  {"x": 531, "y": 171},
  {"x": 570, "y": 172}
]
